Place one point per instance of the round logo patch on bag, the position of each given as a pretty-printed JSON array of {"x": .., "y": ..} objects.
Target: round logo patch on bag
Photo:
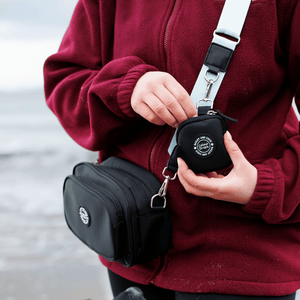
[
  {"x": 204, "y": 145},
  {"x": 84, "y": 216}
]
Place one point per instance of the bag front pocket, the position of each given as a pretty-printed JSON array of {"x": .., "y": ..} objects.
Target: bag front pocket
[
  {"x": 123, "y": 196},
  {"x": 96, "y": 220},
  {"x": 200, "y": 143}
]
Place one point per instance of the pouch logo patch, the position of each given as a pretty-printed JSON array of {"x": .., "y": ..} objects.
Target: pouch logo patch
[
  {"x": 84, "y": 216},
  {"x": 204, "y": 146}
]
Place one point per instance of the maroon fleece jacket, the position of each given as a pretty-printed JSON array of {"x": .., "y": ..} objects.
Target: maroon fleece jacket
[{"x": 217, "y": 247}]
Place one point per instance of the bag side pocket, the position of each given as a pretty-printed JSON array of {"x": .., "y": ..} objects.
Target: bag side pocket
[{"x": 154, "y": 225}]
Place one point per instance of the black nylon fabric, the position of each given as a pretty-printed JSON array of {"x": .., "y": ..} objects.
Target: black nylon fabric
[
  {"x": 200, "y": 144},
  {"x": 107, "y": 207}
]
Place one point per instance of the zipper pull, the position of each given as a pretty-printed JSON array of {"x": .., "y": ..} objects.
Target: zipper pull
[{"x": 226, "y": 117}]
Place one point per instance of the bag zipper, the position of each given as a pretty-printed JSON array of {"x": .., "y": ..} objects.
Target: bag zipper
[
  {"x": 132, "y": 208},
  {"x": 137, "y": 181},
  {"x": 114, "y": 182},
  {"x": 226, "y": 117},
  {"x": 94, "y": 187},
  {"x": 118, "y": 204}
]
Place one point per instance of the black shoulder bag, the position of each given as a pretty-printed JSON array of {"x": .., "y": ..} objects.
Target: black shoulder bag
[{"x": 108, "y": 207}]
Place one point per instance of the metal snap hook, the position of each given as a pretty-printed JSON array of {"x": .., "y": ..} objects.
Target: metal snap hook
[{"x": 162, "y": 191}]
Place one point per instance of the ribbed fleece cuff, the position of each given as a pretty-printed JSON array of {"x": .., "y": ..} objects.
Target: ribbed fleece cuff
[
  {"x": 127, "y": 85},
  {"x": 263, "y": 190}
]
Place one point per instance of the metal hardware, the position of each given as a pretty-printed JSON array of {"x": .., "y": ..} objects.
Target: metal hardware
[
  {"x": 162, "y": 191},
  {"x": 211, "y": 80},
  {"x": 167, "y": 176},
  {"x": 208, "y": 89},
  {"x": 209, "y": 86},
  {"x": 205, "y": 100},
  {"x": 211, "y": 112},
  {"x": 158, "y": 207}
]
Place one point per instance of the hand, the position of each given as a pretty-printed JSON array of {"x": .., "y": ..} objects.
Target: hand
[
  {"x": 238, "y": 186},
  {"x": 160, "y": 99}
]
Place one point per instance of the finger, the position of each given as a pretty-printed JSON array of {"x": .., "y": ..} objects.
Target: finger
[
  {"x": 213, "y": 175},
  {"x": 182, "y": 169},
  {"x": 146, "y": 112},
  {"x": 171, "y": 104},
  {"x": 233, "y": 150},
  {"x": 197, "y": 185},
  {"x": 159, "y": 110},
  {"x": 182, "y": 96},
  {"x": 189, "y": 176}
]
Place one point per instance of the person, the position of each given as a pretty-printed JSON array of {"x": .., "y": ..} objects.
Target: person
[{"x": 120, "y": 84}]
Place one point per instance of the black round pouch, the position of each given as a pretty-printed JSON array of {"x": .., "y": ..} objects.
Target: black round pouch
[{"x": 200, "y": 143}]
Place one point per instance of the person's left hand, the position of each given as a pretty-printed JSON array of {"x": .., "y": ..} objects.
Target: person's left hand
[{"x": 238, "y": 186}]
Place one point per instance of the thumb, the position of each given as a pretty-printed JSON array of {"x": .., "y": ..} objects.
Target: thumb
[{"x": 233, "y": 149}]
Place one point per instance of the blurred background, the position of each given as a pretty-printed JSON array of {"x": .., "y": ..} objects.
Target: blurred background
[{"x": 40, "y": 259}]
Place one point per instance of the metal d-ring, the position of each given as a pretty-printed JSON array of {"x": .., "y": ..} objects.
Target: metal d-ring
[
  {"x": 211, "y": 81},
  {"x": 158, "y": 207},
  {"x": 167, "y": 176}
]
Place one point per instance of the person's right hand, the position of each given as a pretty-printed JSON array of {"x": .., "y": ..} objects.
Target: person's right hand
[{"x": 160, "y": 99}]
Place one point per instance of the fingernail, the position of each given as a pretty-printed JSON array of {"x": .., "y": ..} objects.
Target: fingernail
[{"x": 229, "y": 137}]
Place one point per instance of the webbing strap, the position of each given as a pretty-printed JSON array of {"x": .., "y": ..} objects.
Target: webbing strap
[{"x": 219, "y": 55}]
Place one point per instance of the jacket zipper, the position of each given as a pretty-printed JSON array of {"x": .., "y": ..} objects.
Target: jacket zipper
[
  {"x": 153, "y": 150},
  {"x": 167, "y": 31},
  {"x": 166, "y": 37}
]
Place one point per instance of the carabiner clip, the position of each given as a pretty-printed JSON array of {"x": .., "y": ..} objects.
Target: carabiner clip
[{"x": 162, "y": 191}]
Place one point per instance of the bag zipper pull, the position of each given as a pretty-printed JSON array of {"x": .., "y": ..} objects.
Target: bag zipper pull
[{"x": 226, "y": 117}]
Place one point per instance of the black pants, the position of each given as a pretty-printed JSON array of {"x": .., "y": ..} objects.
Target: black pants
[{"x": 151, "y": 292}]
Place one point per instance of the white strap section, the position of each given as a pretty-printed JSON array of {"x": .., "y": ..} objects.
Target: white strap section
[
  {"x": 230, "y": 23},
  {"x": 233, "y": 17}
]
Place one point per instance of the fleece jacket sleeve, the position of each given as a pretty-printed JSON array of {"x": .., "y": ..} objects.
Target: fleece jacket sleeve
[
  {"x": 88, "y": 91},
  {"x": 277, "y": 194}
]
